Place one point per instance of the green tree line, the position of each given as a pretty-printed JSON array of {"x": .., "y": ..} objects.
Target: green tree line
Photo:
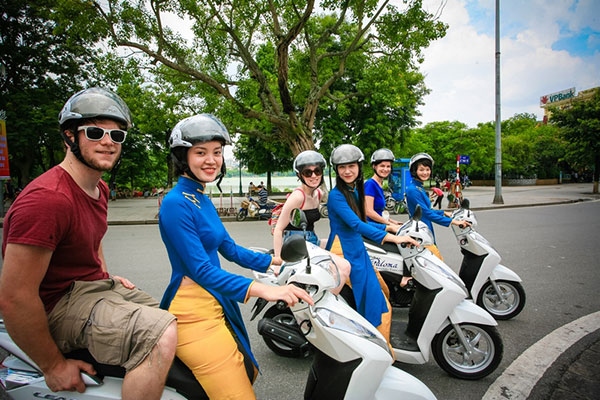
[{"x": 283, "y": 76}]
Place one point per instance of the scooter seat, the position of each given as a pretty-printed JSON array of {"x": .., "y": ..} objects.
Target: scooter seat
[
  {"x": 387, "y": 246},
  {"x": 179, "y": 378}
]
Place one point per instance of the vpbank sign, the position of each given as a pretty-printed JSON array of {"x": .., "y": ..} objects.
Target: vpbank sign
[{"x": 558, "y": 96}]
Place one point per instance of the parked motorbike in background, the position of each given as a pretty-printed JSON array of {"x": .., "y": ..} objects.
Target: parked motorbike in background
[
  {"x": 352, "y": 359},
  {"x": 22, "y": 379},
  {"x": 251, "y": 208},
  {"x": 492, "y": 286}
]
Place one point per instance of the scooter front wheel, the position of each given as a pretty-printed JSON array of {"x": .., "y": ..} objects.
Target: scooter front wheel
[
  {"x": 505, "y": 303},
  {"x": 241, "y": 215},
  {"x": 478, "y": 358}
]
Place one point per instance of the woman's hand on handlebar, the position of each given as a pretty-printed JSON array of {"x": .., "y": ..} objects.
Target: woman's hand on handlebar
[
  {"x": 290, "y": 294},
  {"x": 402, "y": 239},
  {"x": 461, "y": 223}
]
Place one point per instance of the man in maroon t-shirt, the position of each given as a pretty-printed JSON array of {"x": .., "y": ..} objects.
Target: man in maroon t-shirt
[{"x": 57, "y": 295}]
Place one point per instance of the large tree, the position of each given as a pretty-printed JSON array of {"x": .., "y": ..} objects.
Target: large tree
[
  {"x": 580, "y": 127},
  {"x": 288, "y": 55},
  {"x": 41, "y": 70}
]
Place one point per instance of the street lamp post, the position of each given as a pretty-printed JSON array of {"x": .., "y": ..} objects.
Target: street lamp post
[
  {"x": 240, "y": 168},
  {"x": 498, "y": 163}
]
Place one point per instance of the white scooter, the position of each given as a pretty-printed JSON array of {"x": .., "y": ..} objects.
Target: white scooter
[
  {"x": 21, "y": 378},
  {"x": 493, "y": 286},
  {"x": 441, "y": 320},
  {"x": 351, "y": 358}
]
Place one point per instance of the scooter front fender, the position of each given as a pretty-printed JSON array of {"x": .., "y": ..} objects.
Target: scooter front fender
[
  {"x": 467, "y": 311},
  {"x": 397, "y": 384},
  {"x": 502, "y": 273}
]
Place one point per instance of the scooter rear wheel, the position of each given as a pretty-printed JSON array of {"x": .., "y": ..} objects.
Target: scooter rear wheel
[
  {"x": 480, "y": 359},
  {"x": 504, "y": 305},
  {"x": 390, "y": 203},
  {"x": 284, "y": 317}
]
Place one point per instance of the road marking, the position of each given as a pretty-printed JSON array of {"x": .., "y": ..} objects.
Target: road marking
[{"x": 517, "y": 381}]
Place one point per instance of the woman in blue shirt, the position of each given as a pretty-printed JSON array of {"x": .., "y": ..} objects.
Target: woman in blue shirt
[
  {"x": 420, "y": 166},
  {"x": 212, "y": 338},
  {"x": 347, "y": 220},
  {"x": 381, "y": 162}
]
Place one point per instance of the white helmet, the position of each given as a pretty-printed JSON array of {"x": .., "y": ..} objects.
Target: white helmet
[{"x": 195, "y": 129}]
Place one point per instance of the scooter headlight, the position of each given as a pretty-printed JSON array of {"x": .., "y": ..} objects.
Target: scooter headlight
[{"x": 334, "y": 320}]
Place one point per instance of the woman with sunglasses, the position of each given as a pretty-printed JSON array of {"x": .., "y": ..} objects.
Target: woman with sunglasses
[
  {"x": 308, "y": 166},
  {"x": 347, "y": 220}
]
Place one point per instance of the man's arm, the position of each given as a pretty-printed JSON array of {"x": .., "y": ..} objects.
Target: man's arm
[{"x": 25, "y": 318}]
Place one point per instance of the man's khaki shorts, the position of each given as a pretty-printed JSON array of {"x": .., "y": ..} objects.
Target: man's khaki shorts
[{"x": 118, "y": 326}]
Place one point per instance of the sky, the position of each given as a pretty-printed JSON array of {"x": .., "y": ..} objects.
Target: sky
[{"x": 546, "y": 46}]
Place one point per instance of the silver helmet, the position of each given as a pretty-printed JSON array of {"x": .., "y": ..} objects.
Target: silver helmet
[
  {"x": 198, "y": 128},
  {"x": 95, "y": 102},
  {"x": 419, "y": 158},
  {"x": 346, "y": 154},
  {"x": 308, "y": 157},
  {"x": 382, "y": 154}
]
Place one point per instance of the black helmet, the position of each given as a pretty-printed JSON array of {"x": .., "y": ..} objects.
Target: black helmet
[
  {"x": 198, "y": 128},
  {"x": 95, "y": 102},
  {"x": 382, "y": 155},
  {"x": 308, "y": 157},
  {"x": 419, "y": 158},
  {"x": 346, "y": 154}
]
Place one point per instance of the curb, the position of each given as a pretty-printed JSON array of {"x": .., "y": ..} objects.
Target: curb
[{"x": 518, "y": 380}]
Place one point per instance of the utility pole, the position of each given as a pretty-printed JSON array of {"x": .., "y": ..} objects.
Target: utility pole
[{"x": 498, "y": 162}]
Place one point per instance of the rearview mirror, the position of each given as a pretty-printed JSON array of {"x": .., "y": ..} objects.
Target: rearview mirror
[
  {"x": 294, "y": 248},
  {"x": 298, "y": 219}
]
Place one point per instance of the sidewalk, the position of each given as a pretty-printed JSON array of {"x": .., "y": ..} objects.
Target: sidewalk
[{"x": 144, "y": 211}]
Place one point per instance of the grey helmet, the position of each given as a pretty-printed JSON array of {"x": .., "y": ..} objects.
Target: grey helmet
[
  {"x": 91, "y": 103},
  {"x": 95, "y": 102},
  {"x": 346, "y": 154},
  {"x": 419, "y": 158},
  {"x": 308, "y": 157},
  {"x": 382, "y": 154},
  {"x": 192, "y": 130},
  {"x": 198, "y": 128}
]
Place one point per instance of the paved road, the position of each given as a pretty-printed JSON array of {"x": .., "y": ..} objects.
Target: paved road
[{"x": 138, "y": 253}]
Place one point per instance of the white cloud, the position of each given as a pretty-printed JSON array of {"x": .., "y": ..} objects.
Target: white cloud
[{"x": 460, "y": 68}]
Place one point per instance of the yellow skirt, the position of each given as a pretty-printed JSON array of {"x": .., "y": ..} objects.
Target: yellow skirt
[{"x": 207, "y": 346}]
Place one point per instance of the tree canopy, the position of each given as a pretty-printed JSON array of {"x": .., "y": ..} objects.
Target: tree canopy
[
  {"x": 580, "y": 127},
  {"x": 39, "y": 66},
  {"x": 267, "y": 68}
]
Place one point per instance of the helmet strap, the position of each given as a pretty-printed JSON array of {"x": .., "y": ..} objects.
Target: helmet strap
[{"x": 74, "y": 146}]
